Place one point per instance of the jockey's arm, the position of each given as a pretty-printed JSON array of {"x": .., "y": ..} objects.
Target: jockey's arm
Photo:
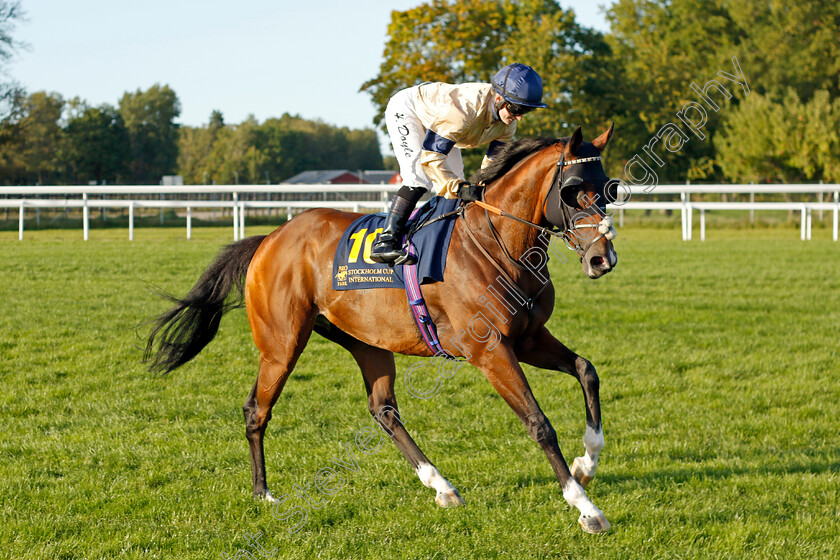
[
  {"x": 436, "y": 148},
  {"x": 494, "y": 147}
]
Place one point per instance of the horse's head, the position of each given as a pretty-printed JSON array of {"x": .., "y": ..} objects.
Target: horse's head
[{"x": 577, "y": 199}]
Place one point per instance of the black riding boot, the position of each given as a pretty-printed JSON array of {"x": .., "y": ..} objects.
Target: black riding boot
[{"x": 388, "y": 248}]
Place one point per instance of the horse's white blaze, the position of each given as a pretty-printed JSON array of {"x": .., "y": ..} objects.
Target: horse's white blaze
[
  {"x": 576, "y": 497},
  {"x": 593, "y": 441},
  {"x": 430, "y": 477}
]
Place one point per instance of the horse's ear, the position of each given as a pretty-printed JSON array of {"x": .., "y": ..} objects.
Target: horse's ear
[
  {"x": 601, "y": 142},
  {"x": 574, "y": 142}
]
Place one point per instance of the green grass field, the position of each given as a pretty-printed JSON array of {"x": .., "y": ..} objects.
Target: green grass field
[{"x": 719, "y": 382}]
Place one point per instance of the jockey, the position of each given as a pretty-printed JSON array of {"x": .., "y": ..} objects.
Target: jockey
[{"x": 430, "y": 122}]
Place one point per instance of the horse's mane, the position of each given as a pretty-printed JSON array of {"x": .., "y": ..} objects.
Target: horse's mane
[{"x": 511, "y": 154}]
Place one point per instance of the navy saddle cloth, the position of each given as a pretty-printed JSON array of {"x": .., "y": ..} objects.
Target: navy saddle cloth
[{"x": 353, "y": 269}]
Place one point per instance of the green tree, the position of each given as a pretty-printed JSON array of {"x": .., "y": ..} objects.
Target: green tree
[
  {"x": 194, "y": 147},
  {"x": 11, "y": 14},
  {"x": 459, "y": 41},
  {"x": 149, "y": 117},
  {"x": 790, "y": 44},
  {"x": 283, "y": 147},
  {"x": 32, "y": 134},
  {"x": 97, "y": 146},
  {"x": 272, "y": 151},
  {"x": 789, "y": 141},
  {"x": 574, "y": 63},
  {"x": 363, "y": 149},
  {"x": 41, "y": 135},
  {"x": 11, "y": 141},
  {"x": 663, "y": 46},
  {"x": 442, "y": 40}
]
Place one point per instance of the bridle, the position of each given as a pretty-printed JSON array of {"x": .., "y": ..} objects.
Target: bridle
[
  {"x": 568, "y": 227},
  {"x": 566, "y": 230}
]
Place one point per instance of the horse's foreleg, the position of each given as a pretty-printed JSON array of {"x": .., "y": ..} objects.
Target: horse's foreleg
[
  {"x": 379, "y": 371},
  {"x": 544, "y": 351},
  {"x": 504, "y": 373}
]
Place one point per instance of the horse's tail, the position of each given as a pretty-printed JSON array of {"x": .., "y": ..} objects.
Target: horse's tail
[{"x": 179, "y": 334}]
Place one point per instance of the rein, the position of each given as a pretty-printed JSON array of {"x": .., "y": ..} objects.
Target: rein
[
  {"x": 568, "y": 233},
  {"x": 549, "y": 231},
  {"x": 529, "y": 301}
]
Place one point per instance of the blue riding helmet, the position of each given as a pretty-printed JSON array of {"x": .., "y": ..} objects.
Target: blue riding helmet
[{"x": 519, "y": 84}]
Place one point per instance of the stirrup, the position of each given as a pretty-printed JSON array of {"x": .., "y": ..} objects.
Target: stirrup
[
  {"x": 393, "y": 257},
  {"x": 405, "y": 258}
]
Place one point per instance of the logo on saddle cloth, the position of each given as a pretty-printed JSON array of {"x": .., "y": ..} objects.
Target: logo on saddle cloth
[{"x": 353, "y": 268}]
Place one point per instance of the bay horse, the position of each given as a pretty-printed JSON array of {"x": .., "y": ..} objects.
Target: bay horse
[{"x": 285, "y": 281}]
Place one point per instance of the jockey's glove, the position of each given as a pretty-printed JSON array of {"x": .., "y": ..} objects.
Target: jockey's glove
[{"x": 468, "y": 192}]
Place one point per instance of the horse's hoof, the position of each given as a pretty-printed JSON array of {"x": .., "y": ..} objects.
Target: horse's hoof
[
  {"x": 581, "y": 474},
  {"x": 594, "y": 523},
  {"x": 449, "y": 499}
]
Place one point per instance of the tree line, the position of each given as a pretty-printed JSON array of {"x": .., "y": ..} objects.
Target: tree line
[
  {"x": 270, "y": 152},
  {"x": 48, "y": 140},
  {"x": 639, "y": 75}
]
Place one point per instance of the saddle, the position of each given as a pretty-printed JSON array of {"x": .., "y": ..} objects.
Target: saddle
[{"x": 428, "y": 233}]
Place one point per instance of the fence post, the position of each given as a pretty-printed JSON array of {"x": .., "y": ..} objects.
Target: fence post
[
  {"x": 85, "y": 217},
  {"x": 820, "y": 200},
  {"x": 682, "y": 214},
  {"x": 752, "y": 210},
  {"x": 702, "y": 224},
  {"x": 808, "y": 225},
  {"x": 189, "y": 223},
  {"x": 20, "y": 222},
  {"x": 131, "y": 220},
  {"x": 836, "y": 213},
  {"x": 242, "y": 220},
  {"x": 802, "y": 223},
  {"x": 689, "y": 219},
  {"x": 235, "y": 216}
]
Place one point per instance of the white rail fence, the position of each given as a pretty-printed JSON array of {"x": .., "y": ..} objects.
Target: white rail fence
[{"x": 827, "y": 198}]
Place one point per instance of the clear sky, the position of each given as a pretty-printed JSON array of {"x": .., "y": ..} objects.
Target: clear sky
[{"x": 259, "y": 57}]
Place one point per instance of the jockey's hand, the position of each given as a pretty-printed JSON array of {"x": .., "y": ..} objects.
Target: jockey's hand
[{"x": 469, "y": 193}]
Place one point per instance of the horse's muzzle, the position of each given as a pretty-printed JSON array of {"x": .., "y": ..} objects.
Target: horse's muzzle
[{"x": 597, "y": 265}]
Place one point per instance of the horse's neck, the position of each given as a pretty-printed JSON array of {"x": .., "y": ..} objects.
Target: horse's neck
[{"x": 521, "y": 193}]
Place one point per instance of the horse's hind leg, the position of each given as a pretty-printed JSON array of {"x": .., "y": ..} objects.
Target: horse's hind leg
[
  {"x": 276, "y": 363},
  {"x": 544, "y": 351},
  {"x": 379, "y": 371}
]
